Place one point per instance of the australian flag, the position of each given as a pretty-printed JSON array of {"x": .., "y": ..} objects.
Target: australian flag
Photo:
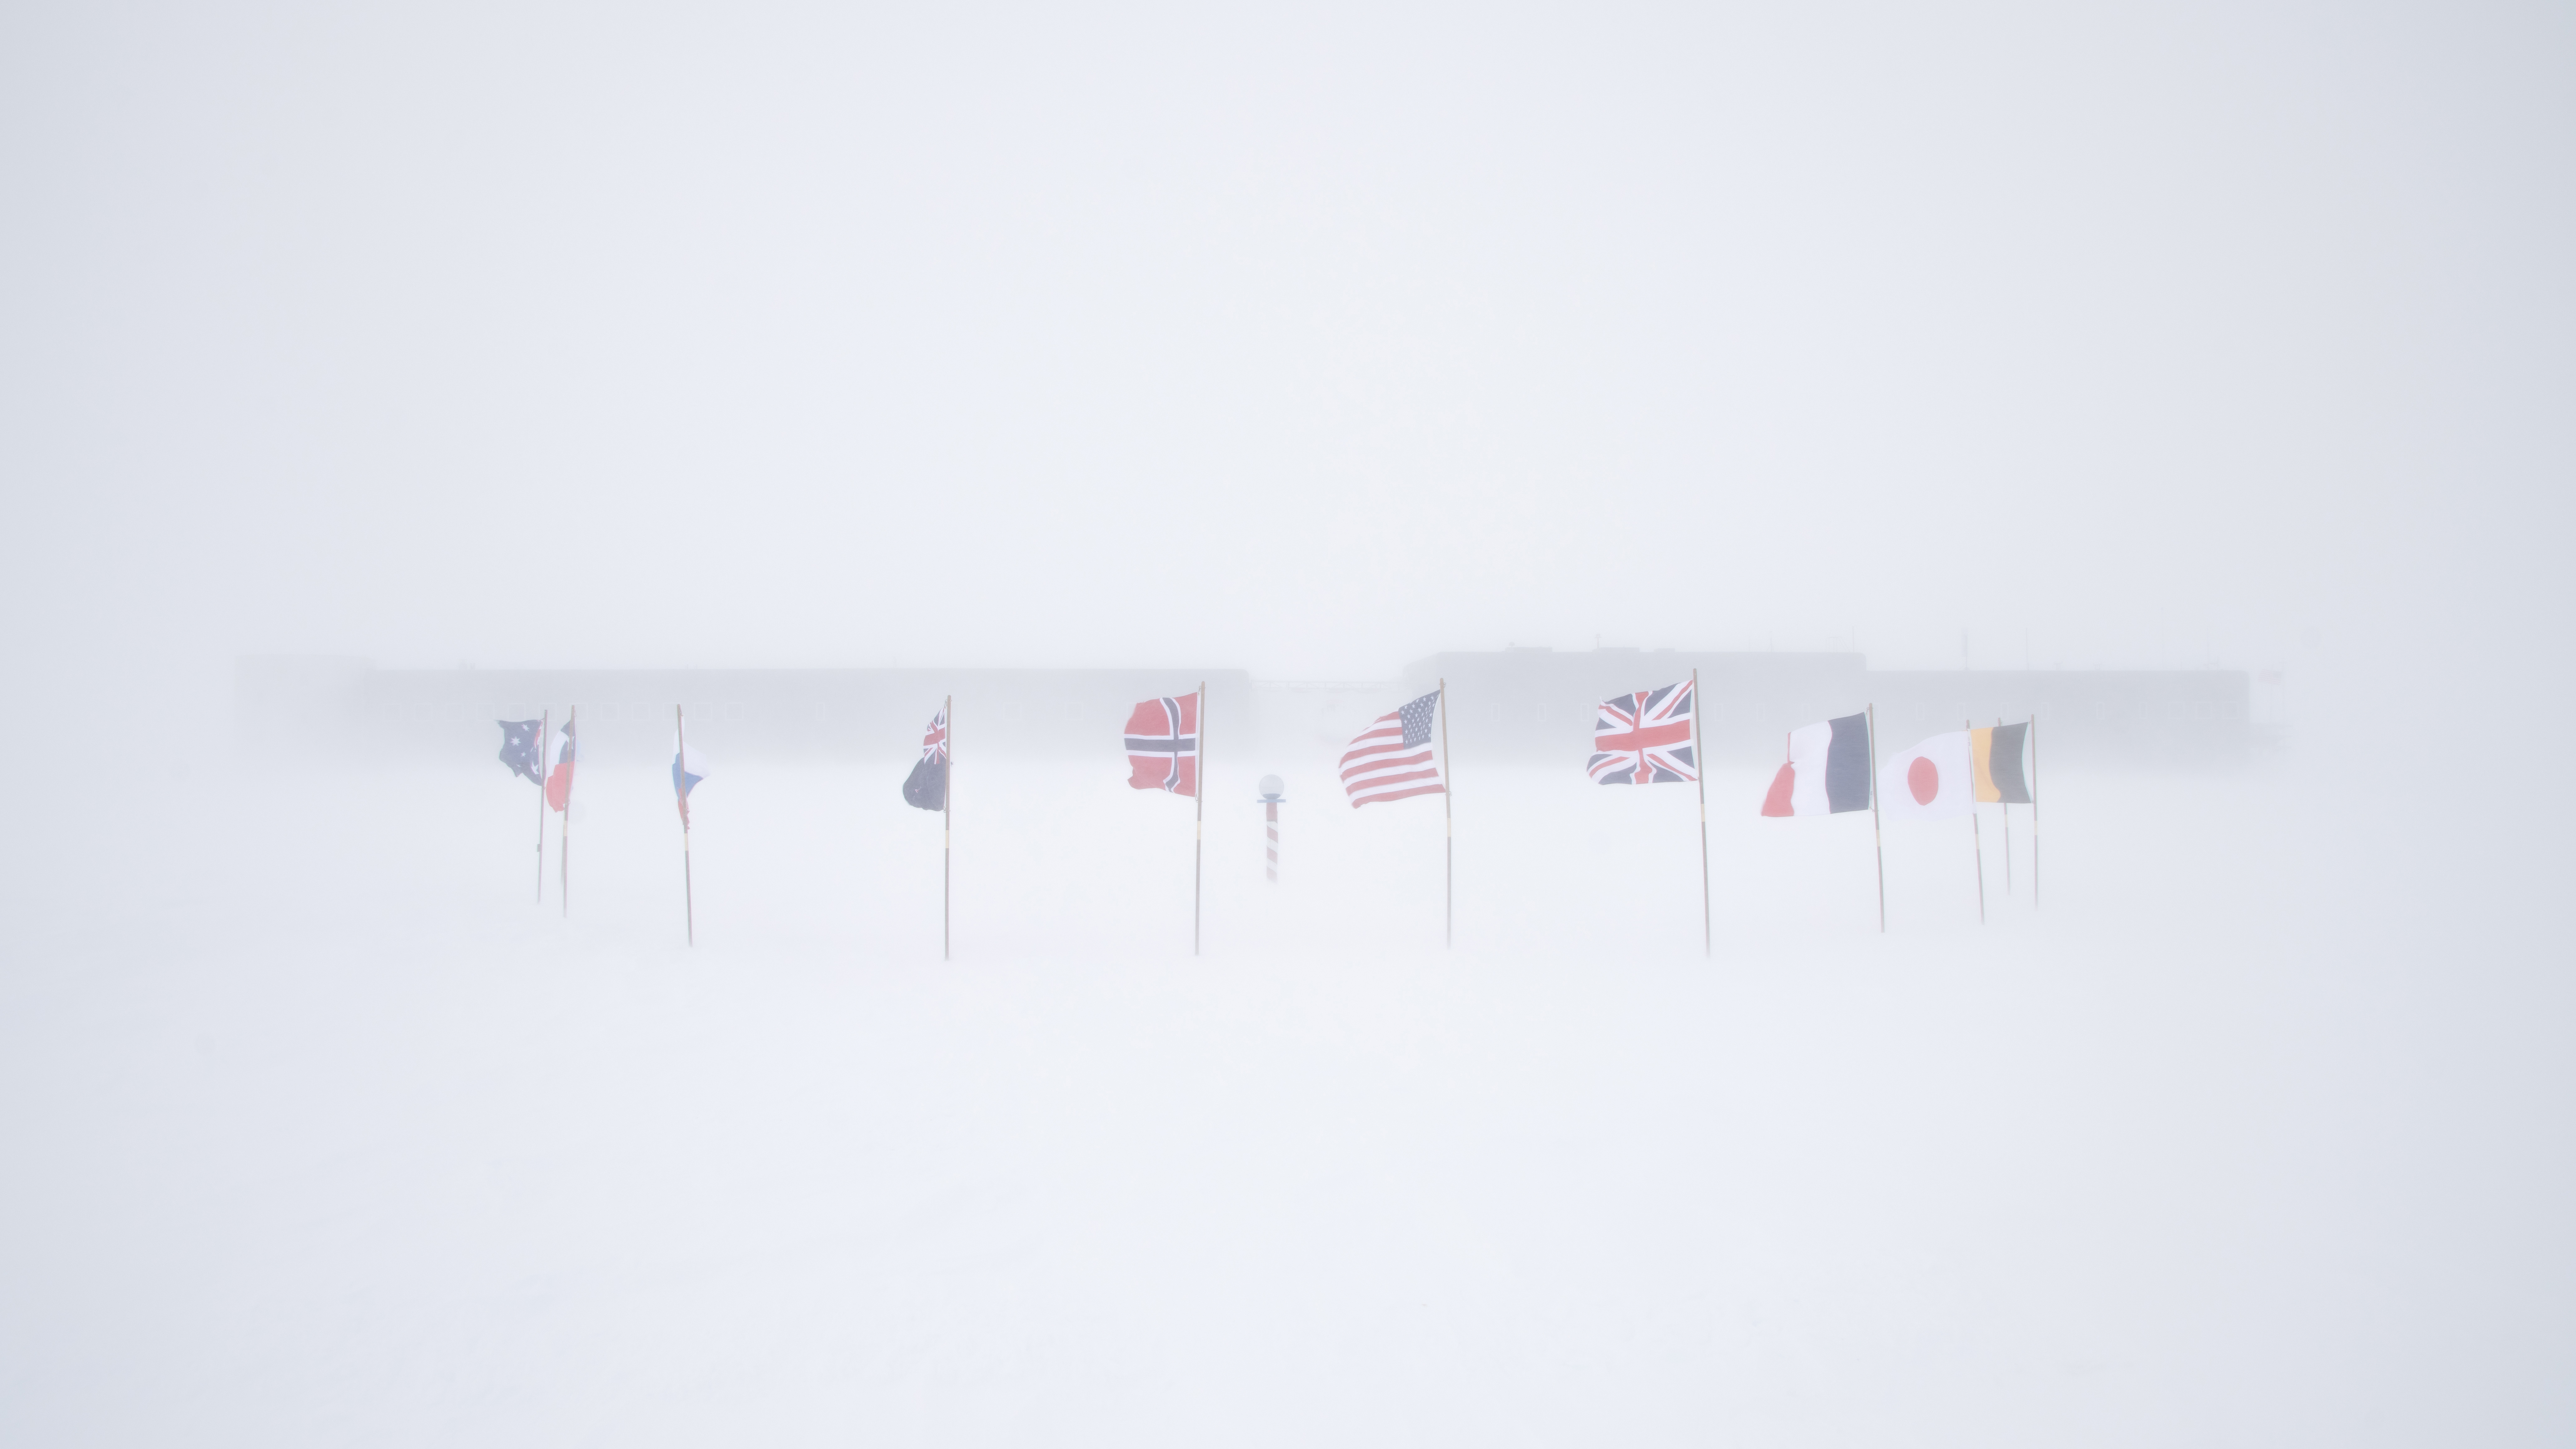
[
  {"x": 519, "y": 748},
  {"x": 1645, "y": 738},
  {"x": 927, "y": 787}
]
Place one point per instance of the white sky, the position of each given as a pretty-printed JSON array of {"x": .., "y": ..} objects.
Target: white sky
[{"x": 1304, "y": 341}]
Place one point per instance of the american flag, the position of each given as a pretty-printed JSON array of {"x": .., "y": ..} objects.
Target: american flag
[
  {"x": 1645, "y": 739},
  {"x": 1391, "y": 759}
]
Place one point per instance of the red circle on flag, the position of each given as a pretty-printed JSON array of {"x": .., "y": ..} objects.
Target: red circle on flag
[{"x": 1924, "y": 779}]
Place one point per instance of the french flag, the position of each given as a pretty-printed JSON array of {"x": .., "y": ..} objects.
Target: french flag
[{"x": 1828, "y": 770}]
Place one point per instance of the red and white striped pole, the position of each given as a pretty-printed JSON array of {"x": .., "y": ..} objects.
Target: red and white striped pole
[{"x": 1271, "y": 787}]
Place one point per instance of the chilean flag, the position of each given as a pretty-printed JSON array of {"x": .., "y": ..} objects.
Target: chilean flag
[
  {"x": 559, "y": 761},
  {"x": 1163, "y": 745},
  {"x": 1828, "y": 770},
  {"x": 1935, "y": 780}
]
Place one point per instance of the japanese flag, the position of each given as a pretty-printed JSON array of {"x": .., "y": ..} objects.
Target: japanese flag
[{"x": 1935, "y": 780}]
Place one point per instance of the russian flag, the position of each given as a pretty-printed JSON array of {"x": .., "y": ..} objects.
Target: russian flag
[
  {"x": 1828, "y": 770},
  {"x": 686, "y": 771}
]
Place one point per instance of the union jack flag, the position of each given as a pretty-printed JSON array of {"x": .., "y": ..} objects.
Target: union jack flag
[
  {"x": 1163, "y": 745},
  {"x": 1646, "y": 739},
  {"x": 934, "y": 741}
]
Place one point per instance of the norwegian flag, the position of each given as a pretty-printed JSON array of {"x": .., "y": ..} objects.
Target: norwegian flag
[
  {"x": 1163, "y": 745},
  {"x": 1646, "y": 739}
]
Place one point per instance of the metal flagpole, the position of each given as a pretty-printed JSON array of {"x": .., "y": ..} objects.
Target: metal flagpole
[
  {"x": 545, "y": 731},
  {"x": 2034, "y": 812},
  {"x": 563, "y": 847},
  {"x": 1198, "y": 844},
  {"x": 1999, "y": 724},
  {"x": 1699, "y": 757},
  {"x": 680, "y": 787},
  {"x": 1877, "y": 840},
  {"x": 1976, "y": 828},
  {"x": 947, "y": 803},
  {"x": 1448, "y": 835}
]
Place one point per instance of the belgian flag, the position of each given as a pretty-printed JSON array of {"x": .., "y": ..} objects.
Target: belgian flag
[{"x": 1996, "y": 754}]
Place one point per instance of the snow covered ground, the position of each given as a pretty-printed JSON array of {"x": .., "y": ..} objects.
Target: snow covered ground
[{"x": 319, "y": 1130}]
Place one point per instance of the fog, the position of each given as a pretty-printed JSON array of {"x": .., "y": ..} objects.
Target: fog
[{"x": 545, "y": 342}]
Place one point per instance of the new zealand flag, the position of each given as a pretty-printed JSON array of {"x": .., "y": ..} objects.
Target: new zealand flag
[
  {"x": 927, "y": 787},
  {"x": 519, "y": 748}
]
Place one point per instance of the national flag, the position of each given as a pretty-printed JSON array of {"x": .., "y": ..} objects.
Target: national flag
[
  {"x": 1997, "y": 755},
  {"x": 686, "y": 771},
  {"x": 519, "y": 748},
  {"x": 1163, "y": 745},
  {"x": 1827, "y": 772},
  {"x": 926, "y": 787},
  {"x": 559, "y": 767},
  {"x": 1935, "y": 780},
  {"x": 1391, "y": 759},
  {"x": 1645, "y": 739}
]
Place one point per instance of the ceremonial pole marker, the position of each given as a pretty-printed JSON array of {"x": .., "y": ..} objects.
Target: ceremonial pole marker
[{"x": 1271, "y": 788}]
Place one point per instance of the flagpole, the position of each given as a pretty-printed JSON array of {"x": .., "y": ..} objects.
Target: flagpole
[
  {"x": 1198, "y": 844},
  {"x": 1699, "y": 756},
  {"x": 1976, "y": 827},
  {"x": 563, "y": 850},
  {"x": 1270, "y": 828},
  {"x": 2034, "y": 812},
  {"x": 545, "y": 728},
  {"x": 1999, "y": 724},
  {"x": 1877, "y": 839},
  {"x": 680, "y": 787},
  {"x": 1448, "y": 835},
  {"x": 947, "y": 819}
]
